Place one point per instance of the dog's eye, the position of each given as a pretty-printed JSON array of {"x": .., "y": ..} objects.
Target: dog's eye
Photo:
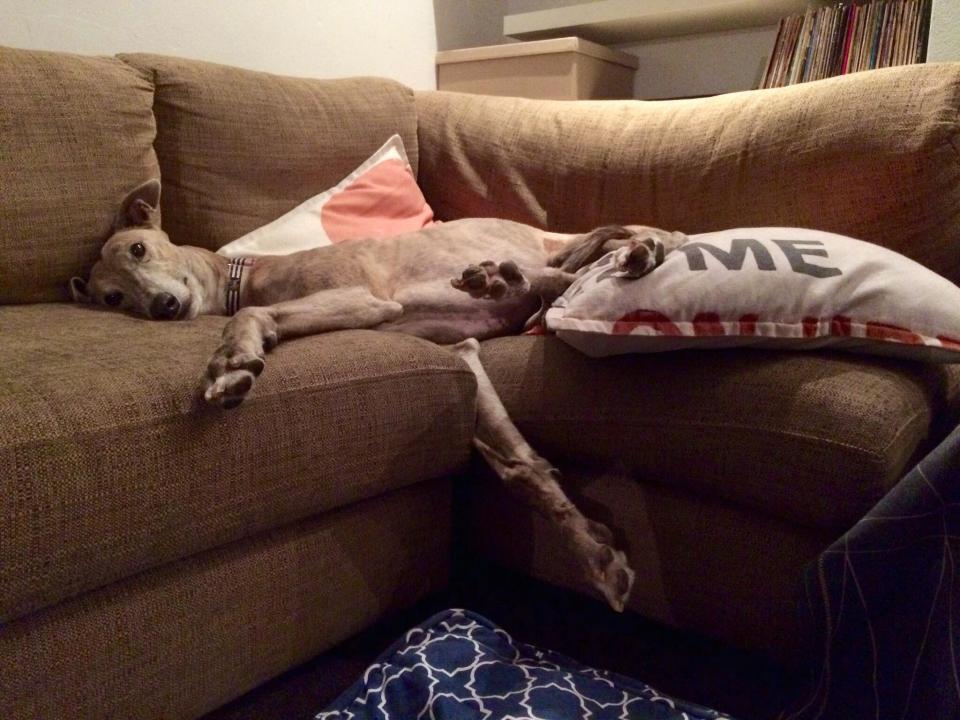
[
  {"x": 138, "y": 250},
  {"x": 113, "y": 299}
]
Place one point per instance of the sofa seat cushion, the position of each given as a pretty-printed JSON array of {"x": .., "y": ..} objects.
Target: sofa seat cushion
[
  {"x": 76, "y": 133},
  {"x": 240, "y": 148},
  {"x": 112, "y": 465},
  {"x": 812, "y": 438},
  {"x": 179, "y": 640}
]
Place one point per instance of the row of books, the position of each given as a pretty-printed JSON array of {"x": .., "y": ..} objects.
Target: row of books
[{"x": 847, "y": 38}]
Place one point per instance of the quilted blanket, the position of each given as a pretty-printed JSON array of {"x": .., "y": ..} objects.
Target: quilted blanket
[{"x": 460, "y": 666}]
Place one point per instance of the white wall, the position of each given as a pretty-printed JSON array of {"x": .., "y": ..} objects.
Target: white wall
[
  {"x": 706, "y": 64},
  {"x": 312, "y": 38},
  {"x": 469, "y": 23},
  {"x": 944, "y": 31}
]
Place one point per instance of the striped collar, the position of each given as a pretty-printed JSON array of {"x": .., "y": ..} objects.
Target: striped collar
[{"x": 235, "y": 280}]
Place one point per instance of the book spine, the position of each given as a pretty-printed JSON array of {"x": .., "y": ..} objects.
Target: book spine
[
  {"x": 801, "y": 52},
  {"x": 883, "y": 43},
  {"x": 848, "y": 44},
  {"x": 810, "y": 55},
  {"x": 772, "y": 60},
  {"x": 921, "y": 55},
  {"x": 901, "y": 32},
  {"x": 790, "y": 37},
  {"x": 857, "y": 49},
  {"x": 910, "y": 49},
  {"x": 875, "y": 32},
  {"x": 840, "y": 41}
]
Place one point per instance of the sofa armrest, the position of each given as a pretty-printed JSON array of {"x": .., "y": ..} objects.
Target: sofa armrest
[{"x": 874, "y": 155}]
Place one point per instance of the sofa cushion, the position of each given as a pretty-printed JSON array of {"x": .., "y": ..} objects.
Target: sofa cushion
[
  {"x": 75, "y": 134},
  {"x": 702, "y": 563},
  {"x": 870, "y": 155},
  {"x": 179, "y": 640},
  {"x": 240, "y": 148},
  {"x": 379, "y": 199},
  {"x": 112, "y": 465},
  {"x": 813, "y": 438},
  {"x": 785, "y": 288}
]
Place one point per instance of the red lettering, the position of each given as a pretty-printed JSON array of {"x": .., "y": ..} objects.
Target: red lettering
[{"x": 649, "y": 318}]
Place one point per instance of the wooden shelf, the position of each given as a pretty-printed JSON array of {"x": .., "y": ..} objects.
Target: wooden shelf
[{"x": 623, "y": 21}]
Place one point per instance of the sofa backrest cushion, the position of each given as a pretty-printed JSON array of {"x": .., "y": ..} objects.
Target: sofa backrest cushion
[
  {"x": 75, "y": 134},
  {"x": 874, "y": 155},
  {"x": 239, "y": 148}
]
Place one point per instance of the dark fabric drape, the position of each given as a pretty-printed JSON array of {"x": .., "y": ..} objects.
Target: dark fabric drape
[{"x": 885, "y": 604}]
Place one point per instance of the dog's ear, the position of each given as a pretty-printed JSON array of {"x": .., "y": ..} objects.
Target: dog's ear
[
  {"x": 141, "y": 206},
  {"x": 78, "y": 290}
]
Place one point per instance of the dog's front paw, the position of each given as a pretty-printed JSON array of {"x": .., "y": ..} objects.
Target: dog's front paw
[
  {"x": 230, "y": 389},
  {"x": 230, "y": 375},
  {"x": 492, "y": 281}
]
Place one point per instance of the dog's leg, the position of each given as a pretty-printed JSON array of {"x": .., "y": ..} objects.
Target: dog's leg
[
  {"x": 532, "y": 478},
  {"x": 640, "y": 249},
  {"x": 585, "y": 249},
  {"x": 253, "y": 331}
]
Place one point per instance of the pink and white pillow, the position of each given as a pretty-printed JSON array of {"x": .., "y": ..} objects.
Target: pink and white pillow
[
  {"x": 767, "y": 287},
  {"x": 378, "y": 199}
]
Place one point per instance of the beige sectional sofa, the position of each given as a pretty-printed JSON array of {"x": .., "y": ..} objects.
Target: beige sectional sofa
[{"x": 158, "y": 558}]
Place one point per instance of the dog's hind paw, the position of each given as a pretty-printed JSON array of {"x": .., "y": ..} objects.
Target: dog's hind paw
[
  {"x": 639, "y": 257},
  {"x": 492, "y": 281},
  {"x": 612, "y": 576},
  {"x": 607, "y": 568}
]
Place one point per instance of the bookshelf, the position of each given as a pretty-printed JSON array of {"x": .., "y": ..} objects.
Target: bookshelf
[
  {"x": 846, "y": 38},
  {"x": 613, "y": 22}
]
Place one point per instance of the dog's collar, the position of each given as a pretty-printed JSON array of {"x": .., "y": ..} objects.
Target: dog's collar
[{"x": 235, "y": 280}]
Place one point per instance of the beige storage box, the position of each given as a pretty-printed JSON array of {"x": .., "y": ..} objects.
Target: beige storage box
[{"x": 559, "y": 69}]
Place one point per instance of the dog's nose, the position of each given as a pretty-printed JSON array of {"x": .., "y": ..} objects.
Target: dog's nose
[{"x": 164, "y": 307}]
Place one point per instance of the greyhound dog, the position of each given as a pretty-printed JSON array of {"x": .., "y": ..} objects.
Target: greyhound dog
[{"x": 414, "y": 283}]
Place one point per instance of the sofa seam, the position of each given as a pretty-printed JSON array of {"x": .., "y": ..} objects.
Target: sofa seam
[
  {"x": 903, "y": 428},
  {"x": 743, "y": 426}
]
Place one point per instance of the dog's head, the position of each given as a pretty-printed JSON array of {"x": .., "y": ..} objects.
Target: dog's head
[{"x": 139, "y": 269}]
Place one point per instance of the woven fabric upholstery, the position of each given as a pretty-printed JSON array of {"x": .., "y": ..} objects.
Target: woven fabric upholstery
[
  {"x": 240, "y": 148},
  {"x": 112, "y": 465},
  {"x": 813, "y": 438},
  {"x": 871, "y": 155},
  {"x": 702, "y": 564},
  {"x": 180, "y": 640},
  {"x": 75, "y": 134}
]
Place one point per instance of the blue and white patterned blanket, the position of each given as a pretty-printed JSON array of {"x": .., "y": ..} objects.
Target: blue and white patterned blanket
[{"x": 460, "y": 666}]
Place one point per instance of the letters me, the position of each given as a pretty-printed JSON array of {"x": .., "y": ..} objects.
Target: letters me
[{"x": 793, "y": 250}]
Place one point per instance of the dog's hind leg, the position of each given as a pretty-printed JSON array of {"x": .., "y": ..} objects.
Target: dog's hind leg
[
  {"x": 254, "y": 331},
  {"x": 585, "y": 249},
  {"x": 639, "y": 248},
  {"x": 529, "y": 476}
]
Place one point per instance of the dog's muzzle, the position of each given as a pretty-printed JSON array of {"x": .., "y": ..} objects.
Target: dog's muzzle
[{"x": 164, "y": 306}]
